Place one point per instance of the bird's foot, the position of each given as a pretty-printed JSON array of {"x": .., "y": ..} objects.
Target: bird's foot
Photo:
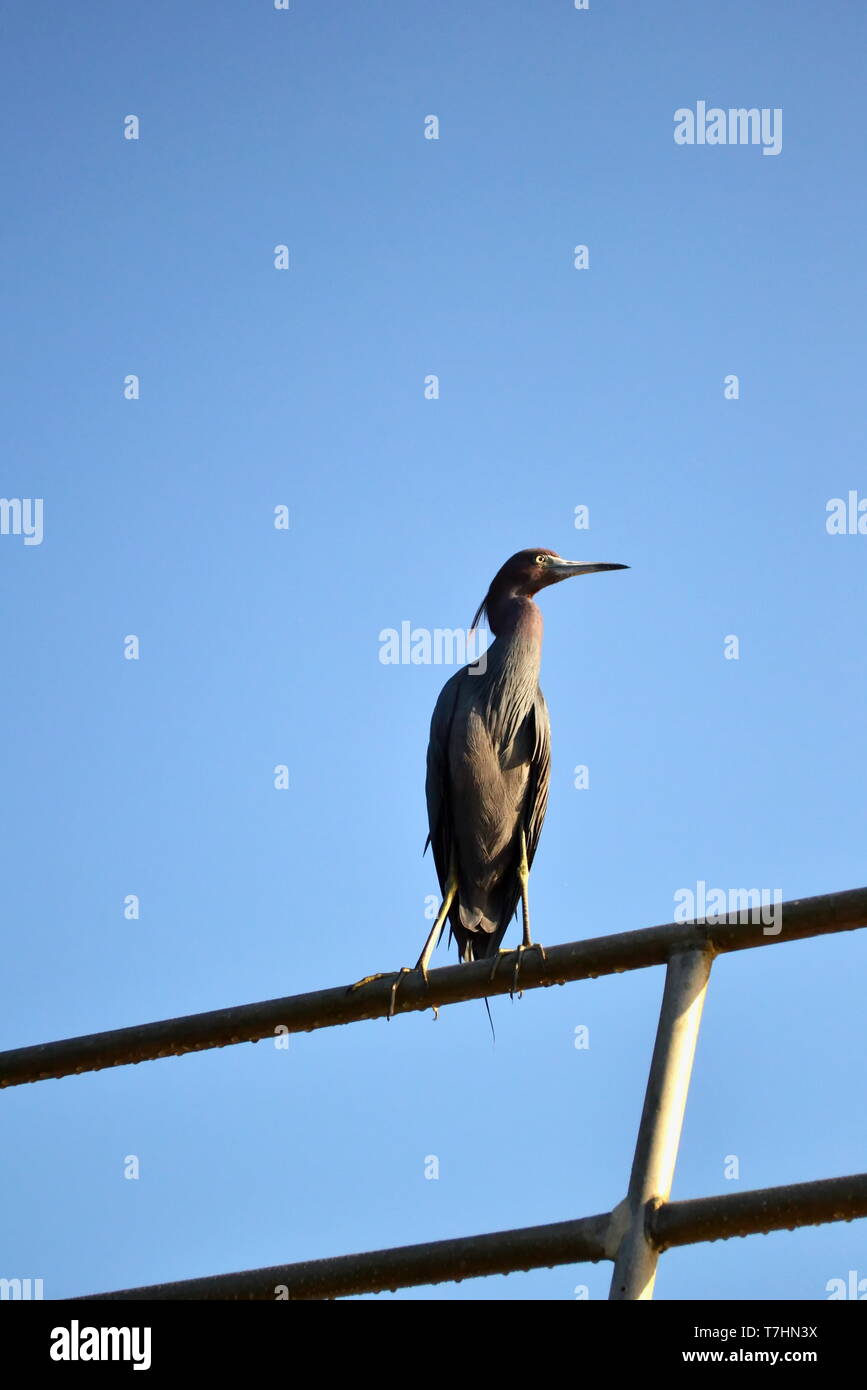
[
  {"x": 368, "y": 980},
  {"x": 384, "y": 975},
  {"x": 398, "y": 976},
  {"x": 517, "y": 953},
  {"x": 503, "y": 951},
  {"x": 421, "y": 965}
]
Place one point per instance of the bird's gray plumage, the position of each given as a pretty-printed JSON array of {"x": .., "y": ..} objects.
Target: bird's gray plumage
[
  {"x": 488, "y": 770},
  {"x": 487, "y": 773},
  {"x": 488, "y": 764}
]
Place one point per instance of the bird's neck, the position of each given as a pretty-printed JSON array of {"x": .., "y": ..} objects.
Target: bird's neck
[
  {"x": 513, "y": 616},
  {"x": 511, "y": 680},
  {"x": 515, "y": 657}
]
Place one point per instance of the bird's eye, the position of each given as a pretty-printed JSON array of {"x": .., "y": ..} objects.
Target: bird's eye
[{"x": 541, "y": 559}]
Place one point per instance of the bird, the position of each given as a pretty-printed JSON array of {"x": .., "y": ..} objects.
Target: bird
[{"x": 489, "y": 769}]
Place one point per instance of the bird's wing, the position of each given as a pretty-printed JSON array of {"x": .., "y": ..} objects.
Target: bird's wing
[
  {"x": 437, "y": 782},
  {"x": 536, "y": 803}
]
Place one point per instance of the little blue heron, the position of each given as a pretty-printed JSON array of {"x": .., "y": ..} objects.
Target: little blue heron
[{"x": 488, "y": 768}]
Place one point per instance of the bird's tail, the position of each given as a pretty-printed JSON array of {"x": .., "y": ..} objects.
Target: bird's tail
[
  {"x": 472, "y": 945},
  {"x": 479, "y": 922}
]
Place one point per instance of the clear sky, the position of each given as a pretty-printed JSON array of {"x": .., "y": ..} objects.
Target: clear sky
[{"x": 559, "y": 387}]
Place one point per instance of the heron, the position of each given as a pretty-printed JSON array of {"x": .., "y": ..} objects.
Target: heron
[{"x": 489, "y": 770}]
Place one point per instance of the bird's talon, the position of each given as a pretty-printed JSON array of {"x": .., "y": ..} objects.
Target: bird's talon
[
  {"x": 503, "y": 951},
  {"x": 519, "y": 951},
  {"x": 514, "y": 990},
  {"x": 404, "y": 970},
  {"x": 368, "y": 979}
]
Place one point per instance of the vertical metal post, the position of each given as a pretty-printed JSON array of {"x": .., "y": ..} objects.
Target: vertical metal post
[{"x": 661, "y": 1119}]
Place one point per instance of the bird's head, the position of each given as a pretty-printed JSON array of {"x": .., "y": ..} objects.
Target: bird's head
[{"x": 529, "y": 571}]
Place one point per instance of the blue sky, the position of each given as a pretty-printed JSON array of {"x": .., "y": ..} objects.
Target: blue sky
[{"x": 558, "y": 388}]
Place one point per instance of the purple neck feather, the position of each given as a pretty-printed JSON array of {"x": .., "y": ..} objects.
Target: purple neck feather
[{"x": 514, "y": 615}]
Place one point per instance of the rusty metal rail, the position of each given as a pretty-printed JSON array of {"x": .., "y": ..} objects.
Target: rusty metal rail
[
  {"x": 533, "y": 1247},
  {"x": 635, "y": 1233},
  {"x": 325, "y": 1008}
]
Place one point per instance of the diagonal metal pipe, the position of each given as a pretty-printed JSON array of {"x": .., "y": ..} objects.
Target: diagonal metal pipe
[{"x": 656, "y": 1147}]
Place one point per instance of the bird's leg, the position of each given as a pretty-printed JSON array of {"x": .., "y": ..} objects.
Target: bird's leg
[
  {"x": 436, "y": 930},
  {"x": 524, "y": 879},
  {"x": 433, "y": 937},
  {"x": 429, "y": 946},
  {"x": 527, "y": 943}
]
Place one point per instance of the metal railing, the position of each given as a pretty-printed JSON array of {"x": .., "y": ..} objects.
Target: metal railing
[{"x": 635, "y": 1233}]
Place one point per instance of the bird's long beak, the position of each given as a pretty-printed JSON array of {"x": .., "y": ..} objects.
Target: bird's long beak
[{"x": 565, "y": 569}]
